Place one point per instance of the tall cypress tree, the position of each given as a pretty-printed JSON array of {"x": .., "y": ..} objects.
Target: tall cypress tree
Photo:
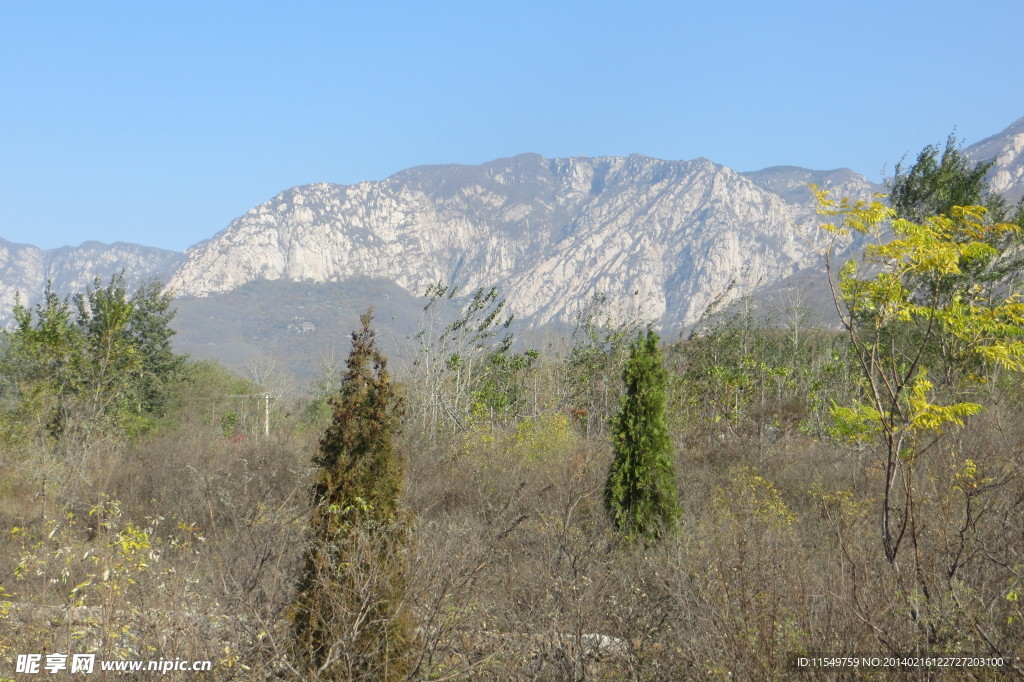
[
  {"x": 640, "y": 493},
  {"x": 349, "y": 617}
]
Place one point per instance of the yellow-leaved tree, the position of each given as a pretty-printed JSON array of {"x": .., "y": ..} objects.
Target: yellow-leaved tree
[{"x": 903, "y": 305}]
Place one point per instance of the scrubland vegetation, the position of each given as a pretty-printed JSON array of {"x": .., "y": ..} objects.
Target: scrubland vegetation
[{"x": 855, "y": 492}]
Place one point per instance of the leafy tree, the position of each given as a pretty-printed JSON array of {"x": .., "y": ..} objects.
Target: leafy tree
[
  {"x": 150, "y": 331},
  {"x": 938, "y": 181},
  {"x": 77, "y": 381},
  {"x": 115, "y": 363},
  {"x": 349, "y": 618},
  {"x": 919, "y": 281},
  {"x": 40, "y": 370},
  {"x": 640, "y": 493}
]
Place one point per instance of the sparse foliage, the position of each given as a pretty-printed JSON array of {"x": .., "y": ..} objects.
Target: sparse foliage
[
  {"x": 600, "y": 347},
  {"x": 468, "y": 366}
]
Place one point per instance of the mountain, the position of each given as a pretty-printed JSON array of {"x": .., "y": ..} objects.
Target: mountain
[
  {"x": 661, "y": 239},
  {"x": 790, "y": 184},
  {"x": 27, "y": 269},
  {"x": 1007, "y": 148}
]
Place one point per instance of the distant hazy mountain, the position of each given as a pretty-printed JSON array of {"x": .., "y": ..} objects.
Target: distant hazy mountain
[
  {"x": 27, "y": 269},
  {"x": 790, "y": 183}
]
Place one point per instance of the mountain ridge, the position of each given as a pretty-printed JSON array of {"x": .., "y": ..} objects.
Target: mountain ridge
[
  {"x": 660, "y": 239},
  {"x": 668, "y": 234},
  {"x": 25, "y": 270}
]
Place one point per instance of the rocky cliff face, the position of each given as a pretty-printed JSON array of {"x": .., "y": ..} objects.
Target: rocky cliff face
[
  {"x": 1007, "y": 148},
  {"x": 27, "y": 269},
  {"x": 660, "y": 238}
]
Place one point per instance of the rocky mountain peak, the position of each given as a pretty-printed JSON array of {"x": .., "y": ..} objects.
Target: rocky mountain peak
[{"x": 660, "y": 238}]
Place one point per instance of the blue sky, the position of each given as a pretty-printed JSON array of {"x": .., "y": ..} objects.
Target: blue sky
[{"x": 160, "y": 122}]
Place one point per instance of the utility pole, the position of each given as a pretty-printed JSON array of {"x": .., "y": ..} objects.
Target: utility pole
[{"x": 266, "y": 414}]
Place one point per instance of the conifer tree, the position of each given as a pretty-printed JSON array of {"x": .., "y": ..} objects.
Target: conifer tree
[
  {"x": 349, "y": 617},
  {"x": 640, "y": 493}
]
